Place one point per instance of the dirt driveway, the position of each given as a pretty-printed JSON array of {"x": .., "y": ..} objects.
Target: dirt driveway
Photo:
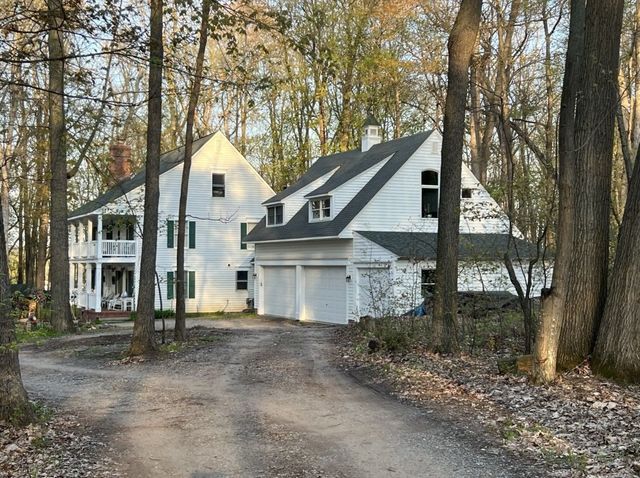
[{"x": 261, "y": 398}]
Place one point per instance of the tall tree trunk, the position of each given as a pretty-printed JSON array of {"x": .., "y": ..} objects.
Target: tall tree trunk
[
  {"x": 618, "y": 343},
  {"x": 180, "y": 327},
  {"x": 14, "y": 403},
  {"x": 444, "y": 334},
  {"x": 143, "y": 340},
  {"x": 594, "y": 131},
  {"x": 552, "y": 311},
  {"x": 61, "y": 318}
]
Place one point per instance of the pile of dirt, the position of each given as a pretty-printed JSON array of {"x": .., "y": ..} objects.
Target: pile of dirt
[{"x": 582, "y": 425}]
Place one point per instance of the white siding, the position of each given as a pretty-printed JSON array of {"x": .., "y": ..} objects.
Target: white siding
[
  {"x": 217, "y": 255},
  {"x": 397, "y": 206},
  {"x": 296, "y": 200},
  {"x": 304, "y": 250},
  {"x": 343, "y": 194}
]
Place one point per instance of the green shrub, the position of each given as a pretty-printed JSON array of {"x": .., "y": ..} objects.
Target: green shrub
[
  {"x": 37, "y": 334},
  {"x": 396, "y": 334}
]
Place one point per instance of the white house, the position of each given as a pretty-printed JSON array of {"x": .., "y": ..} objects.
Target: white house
[
  {"x": 356, "y": 235},
  {"x": 225, "y": 193}
]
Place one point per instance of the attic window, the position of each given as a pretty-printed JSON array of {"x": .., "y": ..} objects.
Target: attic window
[
  {"x": 275, "y": 215},
  {"x": 428, "y": 281},
  {"x": 430, "y": 193},
  {"x": 467, "y": 193},
  {"x": 320, "y": 209},
  {"x": 217, "y": 185}
]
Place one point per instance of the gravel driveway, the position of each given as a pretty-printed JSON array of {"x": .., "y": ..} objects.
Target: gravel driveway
[{"x": 261, "y": 398}]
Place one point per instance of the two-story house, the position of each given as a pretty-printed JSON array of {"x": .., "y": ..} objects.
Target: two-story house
[
  {"x": 225, "y": 193},
  {"x": 357, "y": 234}
]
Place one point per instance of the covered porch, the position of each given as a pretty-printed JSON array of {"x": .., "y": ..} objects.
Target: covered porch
[{"x": 116, "y": 291}]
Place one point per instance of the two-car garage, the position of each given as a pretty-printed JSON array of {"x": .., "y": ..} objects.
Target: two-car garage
[{"x": 313, "y": 293}]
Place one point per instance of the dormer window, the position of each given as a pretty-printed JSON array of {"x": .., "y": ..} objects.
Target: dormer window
[
  {"x": 320, "y": 209},
  {"x": 275, "y": 215},
  {"x": 430, "y": 192}
]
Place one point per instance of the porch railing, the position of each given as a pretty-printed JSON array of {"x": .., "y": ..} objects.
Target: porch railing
[{"x": 112, "y": 248}]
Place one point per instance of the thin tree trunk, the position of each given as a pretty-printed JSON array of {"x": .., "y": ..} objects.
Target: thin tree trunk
[
  {"x": 14, "y": 403},
  {"x": 594, "y": 132},
  {"x": 617, "y": 351},
  {"x": 444, "y": 334},
  {"x": 180, "y": 327},
  {"x": 553, "y": 302},
  {"x": 143, "y": 339},
  {"x": 61, "y": 318}
]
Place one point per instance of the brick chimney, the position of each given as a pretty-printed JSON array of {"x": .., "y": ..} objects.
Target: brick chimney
[{"x": 120, "y": 166}]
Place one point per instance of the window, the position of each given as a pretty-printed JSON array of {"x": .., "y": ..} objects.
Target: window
[
  {"x": 76, "y": 231},
  {"x": 243, "y": 234},
  {"x": 428, "y": 281},
  {"x": 130, "y": 231},
  {"x": 93, "y": 277},
  {"x": 275, "y": 215},
  {"x": 75, "y": 276},
  {"x": 172, "y": 234},
  {"x": 242, "y": 280},
  {"x": 429, "y": 194},
  {"x": 217, "y": 185},
  {"x": 320, "y": 209},
  {"x": 189, "y": 286},
  {"x": 467, "y": 193}
]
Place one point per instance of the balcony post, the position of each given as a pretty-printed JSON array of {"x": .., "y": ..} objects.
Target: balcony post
[
  {"x": 99, "y": 238},
  {"x": 98, "y": 288}
]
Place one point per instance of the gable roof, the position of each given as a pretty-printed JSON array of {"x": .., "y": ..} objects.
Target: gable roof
[
  {"x": 350, "y": 164},
  {"x": 423, "y": 245},
  {"x": 168, "y": 161}
]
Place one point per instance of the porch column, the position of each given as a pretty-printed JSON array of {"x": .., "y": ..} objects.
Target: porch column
[
  {"x": 99, "y": 238},
  {"x": 98, "y": 289}
]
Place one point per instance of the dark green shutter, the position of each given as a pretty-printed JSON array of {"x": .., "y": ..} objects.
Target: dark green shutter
[
  {"x": 192, "y": 235},
  {"x": 243, "y": 233},
  {"x": 192, "y": 284},
  {"x": 170, "y": 225},
  {"x": 169, "y": 285}
]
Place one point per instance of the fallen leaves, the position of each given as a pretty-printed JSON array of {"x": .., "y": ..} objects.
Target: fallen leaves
[
  {"x": 580, "y": 426},
  {"x": 58, "y": 447}
]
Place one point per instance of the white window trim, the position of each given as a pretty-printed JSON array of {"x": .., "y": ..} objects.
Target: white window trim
[
  {"x": 267, "y": 217},
  {"x": 322, "y": 218},
  {"x": 238, "y": 281}
]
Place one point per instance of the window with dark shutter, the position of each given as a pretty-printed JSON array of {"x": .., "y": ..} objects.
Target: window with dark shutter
[
  {"x": 192, "y": 235},
  {"x": 191, "y": 290},
  {"x": 170, "y": 233},
  {"x": 243, "y": 234},
  {"x": 170, "y": 285}
]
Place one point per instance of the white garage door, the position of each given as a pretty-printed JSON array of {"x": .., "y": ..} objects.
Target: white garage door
[
  {"x": 280, "y": 291},
  {"x": 325, "y": 294}
]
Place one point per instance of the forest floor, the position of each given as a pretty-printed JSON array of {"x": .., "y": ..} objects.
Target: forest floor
[
  {"x": 250, "y": 397},
  {"x": 581, "y": 426}
]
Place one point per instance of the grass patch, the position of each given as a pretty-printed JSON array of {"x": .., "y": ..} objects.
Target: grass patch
[{"x": 38, "y": 335}]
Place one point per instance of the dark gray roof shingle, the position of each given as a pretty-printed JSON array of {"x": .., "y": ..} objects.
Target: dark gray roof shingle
[
  {"x": 423, "y": 245},
  {"x": 351, "y": 163},
  {"x": 168, "y": 161}
]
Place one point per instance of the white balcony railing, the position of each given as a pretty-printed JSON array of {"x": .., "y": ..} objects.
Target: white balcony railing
[
  {"x": 83, "y": 249},
  {"x": 110, "y": 248},
  {"x": 118, "y": 248}
]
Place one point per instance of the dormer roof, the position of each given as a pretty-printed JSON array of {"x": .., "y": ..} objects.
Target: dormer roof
[{"x": 350, "y": 164}]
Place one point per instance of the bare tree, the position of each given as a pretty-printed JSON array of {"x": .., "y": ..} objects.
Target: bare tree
[
  {"x": 616, "y": 352},
  {"x": 143, "y": 340},
  {"x": 14, "y": 403},
  {"x": 61, "y": 318},
  {"x": 462, "y": 40},
  {"x": 548, "y": 333},
  {"x": 594, "y": 131},
  {"x": 180, "y": 327}
]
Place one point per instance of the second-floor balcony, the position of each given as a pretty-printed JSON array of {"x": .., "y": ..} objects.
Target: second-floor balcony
[{"x": 110, "y": 248}]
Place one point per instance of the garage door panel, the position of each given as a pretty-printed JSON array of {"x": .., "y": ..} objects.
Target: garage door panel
[
  {"x": 280, "y": 291},
  {"x": 325, "y": 294}
]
